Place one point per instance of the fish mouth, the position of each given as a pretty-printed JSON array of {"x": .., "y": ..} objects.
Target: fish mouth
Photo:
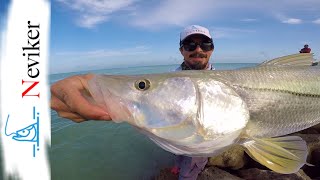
[
  {"x": 117, "y": 107},
  {"x": 105, "y": 98}
]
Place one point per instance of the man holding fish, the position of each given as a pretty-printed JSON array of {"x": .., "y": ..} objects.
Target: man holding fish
[
  {"x": 203, "y": 113},
  {"x": 71, "y": 99}
]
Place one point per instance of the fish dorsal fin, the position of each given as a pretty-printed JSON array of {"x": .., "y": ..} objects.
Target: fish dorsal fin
[
  {"x": 300, "y": 59},
  {"x": 284, "y": 155}
]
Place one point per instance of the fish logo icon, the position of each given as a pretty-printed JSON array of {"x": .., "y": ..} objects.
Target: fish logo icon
[{"x": 27, "y": 134}]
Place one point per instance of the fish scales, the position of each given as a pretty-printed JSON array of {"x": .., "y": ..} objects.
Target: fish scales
[{"x": 280, "y": 100}]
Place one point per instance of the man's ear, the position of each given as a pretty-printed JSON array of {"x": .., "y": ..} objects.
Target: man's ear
[{"x": 181, "y": 50}]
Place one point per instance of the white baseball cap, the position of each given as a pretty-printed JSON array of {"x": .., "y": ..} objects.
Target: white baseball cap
[{"x": 194, "y": 29}]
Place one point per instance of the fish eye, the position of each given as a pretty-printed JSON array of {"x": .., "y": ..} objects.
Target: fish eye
[{"x": 142, "y": 85}]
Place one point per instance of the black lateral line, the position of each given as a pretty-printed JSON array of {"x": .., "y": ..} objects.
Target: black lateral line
[{"x": 282, "y": 91}]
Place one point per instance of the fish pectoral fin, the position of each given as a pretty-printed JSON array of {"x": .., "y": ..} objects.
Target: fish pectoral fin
[{"x": 284, "y": 155}]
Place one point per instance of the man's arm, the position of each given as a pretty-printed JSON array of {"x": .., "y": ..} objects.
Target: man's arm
[{"x": 71, "y": 99}]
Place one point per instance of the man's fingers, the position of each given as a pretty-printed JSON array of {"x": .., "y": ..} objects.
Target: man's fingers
[
  {"x": 83, "y": 109},
  {"x": 57, "y": 104},
  {"x": 77, "y": 103},
  {"x": 71, "y": 95},
  {"x": 69, "y": 115}
]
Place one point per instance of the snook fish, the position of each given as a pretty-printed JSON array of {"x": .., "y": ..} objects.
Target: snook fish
[{"x": 202, "y": 113}]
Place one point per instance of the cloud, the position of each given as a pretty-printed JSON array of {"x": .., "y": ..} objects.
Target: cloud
[
  {"x": 224, "y": 32},
  {"x": 181, "y": 12},
  {"x": 249, "y": 20},
  {"x": 317, "y": 21},
  {"x": 173, "y": 12},
  {"x": 287, "y": 20},
  {"x": 89, "y": 21},
  {"x": 72, "y": 61},
  {"x": 101, "y": 53},
  {"x": 93, "y": 12},
  {"x": 160, "y": 14},
  {"x": 292, "y": 21}
]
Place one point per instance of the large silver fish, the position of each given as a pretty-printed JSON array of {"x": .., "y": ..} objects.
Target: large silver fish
[{"x": 202, "y": 113}]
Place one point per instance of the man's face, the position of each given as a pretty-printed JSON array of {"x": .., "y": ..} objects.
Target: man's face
[{"x": 197, "y": 59}]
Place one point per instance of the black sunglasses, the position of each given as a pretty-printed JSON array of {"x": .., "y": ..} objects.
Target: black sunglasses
[{"x": 191, "y": 46}]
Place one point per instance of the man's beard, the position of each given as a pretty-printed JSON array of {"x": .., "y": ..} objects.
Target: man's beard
[
  {"x": 198, "y": 55},
  {"x": 197, "y": 65}
]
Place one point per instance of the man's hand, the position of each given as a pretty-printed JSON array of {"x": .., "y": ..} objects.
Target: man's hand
[{"x": 71, "y": 99}]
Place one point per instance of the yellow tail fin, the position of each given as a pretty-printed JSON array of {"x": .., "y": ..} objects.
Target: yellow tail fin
[{"x": 284, "y": 155}]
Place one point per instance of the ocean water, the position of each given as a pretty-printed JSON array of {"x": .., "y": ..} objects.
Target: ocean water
[{"x": 99, "y": 150}]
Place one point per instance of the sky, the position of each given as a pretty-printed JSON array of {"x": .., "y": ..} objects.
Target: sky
[{"x": 98, "y": 34}]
